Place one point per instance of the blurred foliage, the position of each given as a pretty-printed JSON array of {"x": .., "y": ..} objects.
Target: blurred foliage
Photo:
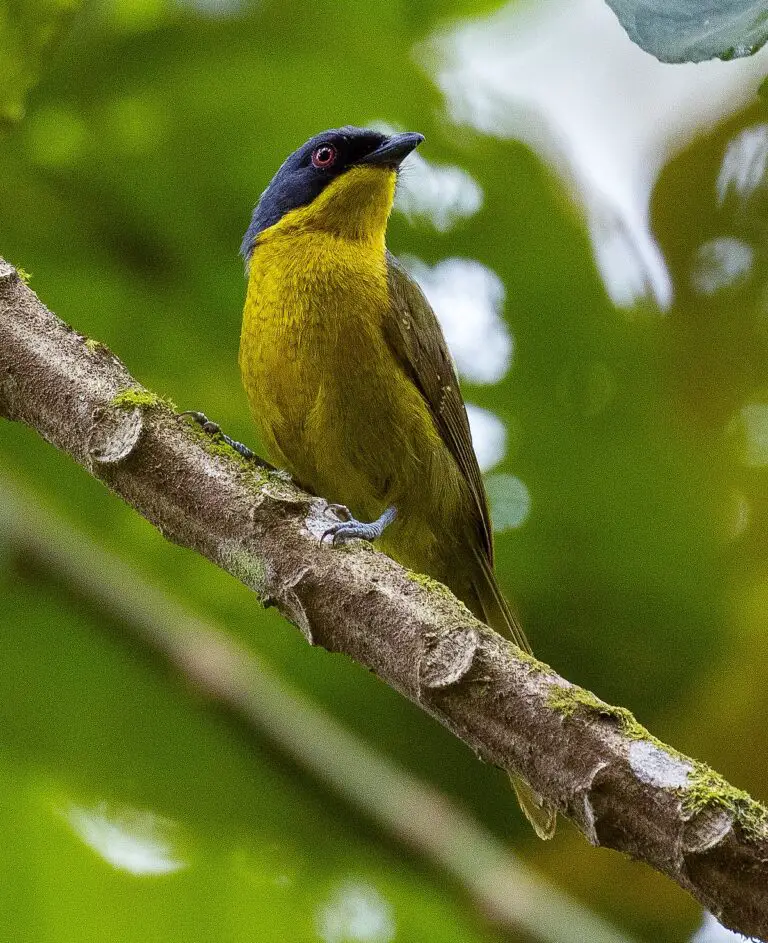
[
  {"x": 681, "y": 31},
  {"x": 131, "y": 814},
  {"x": 28, "y": 36},
  {"x": 639, "y": 437}
]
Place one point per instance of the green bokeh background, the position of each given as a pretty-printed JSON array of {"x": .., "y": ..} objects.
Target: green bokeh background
[{"x": 136, "y": 136}]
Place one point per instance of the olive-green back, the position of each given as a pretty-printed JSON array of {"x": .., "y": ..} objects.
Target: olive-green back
[{"x": 413, "y": 333}]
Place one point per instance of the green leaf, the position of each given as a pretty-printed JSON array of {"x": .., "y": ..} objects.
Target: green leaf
[{"x": 694, "y": 30}]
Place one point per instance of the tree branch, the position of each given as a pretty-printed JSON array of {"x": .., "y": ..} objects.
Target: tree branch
[
  {"x": 620, "y": 786},
  {"x": 504, "y": 889}
]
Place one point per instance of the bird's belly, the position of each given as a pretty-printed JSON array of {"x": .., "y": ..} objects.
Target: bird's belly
[
  {"x": 370, "y": 436},
  {"x": 345, "y": 421},
  {"x": 333, "y": 405}
]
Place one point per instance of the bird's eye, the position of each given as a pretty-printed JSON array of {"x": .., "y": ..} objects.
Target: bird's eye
[{"x": 323, "y": 156}]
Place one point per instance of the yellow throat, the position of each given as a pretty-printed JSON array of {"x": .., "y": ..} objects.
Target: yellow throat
[{"x": 317, "y": 294}]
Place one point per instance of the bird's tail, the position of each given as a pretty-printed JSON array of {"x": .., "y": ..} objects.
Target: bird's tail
[
  {"x": 497, "y": 614},
  {"x": 540, "y": 813}
]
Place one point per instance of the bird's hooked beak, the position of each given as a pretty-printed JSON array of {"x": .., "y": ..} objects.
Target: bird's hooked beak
[{"x": 394, "y": 150}]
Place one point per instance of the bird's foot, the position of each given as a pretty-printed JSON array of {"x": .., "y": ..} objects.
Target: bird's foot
[
  {"x": 214, "y": 429},
  {"x": 349, "y": 528}
]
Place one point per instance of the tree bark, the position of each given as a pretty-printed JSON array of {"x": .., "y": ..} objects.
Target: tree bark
[{"x": 620, "y": 786}]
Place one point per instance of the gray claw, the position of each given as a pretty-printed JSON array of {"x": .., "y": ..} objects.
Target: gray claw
[{"x": 352, "y": 529}]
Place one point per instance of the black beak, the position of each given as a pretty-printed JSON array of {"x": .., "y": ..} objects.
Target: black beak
[{"x": 394, "y": 150}]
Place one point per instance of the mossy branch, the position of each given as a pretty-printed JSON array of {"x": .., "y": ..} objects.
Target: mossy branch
[
  {"x": 505, "y": 890},
  {"x": 620, "y": 786}
]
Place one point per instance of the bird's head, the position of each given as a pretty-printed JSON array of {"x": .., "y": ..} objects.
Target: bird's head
[{"x": 341, "y": 181}]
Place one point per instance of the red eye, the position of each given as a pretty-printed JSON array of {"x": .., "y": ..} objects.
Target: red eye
[{"x": 323, "y": 156}]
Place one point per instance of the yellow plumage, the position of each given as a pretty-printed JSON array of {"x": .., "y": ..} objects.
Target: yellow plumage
[
  {"x": 332, "y": 405},
  {"x": 353, "y": 391}
]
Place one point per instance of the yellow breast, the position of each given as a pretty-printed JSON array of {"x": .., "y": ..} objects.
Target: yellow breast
[
  {"x": 332, "y": 404},
  {"x": 316, "y": 294},
  {"x": 314, "y": 303}
]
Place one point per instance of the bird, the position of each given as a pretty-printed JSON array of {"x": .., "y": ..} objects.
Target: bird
[{"x": 350, "y": 381}]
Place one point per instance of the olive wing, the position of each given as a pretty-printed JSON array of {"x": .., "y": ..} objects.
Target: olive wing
[{"x": 414, "y": 334}]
